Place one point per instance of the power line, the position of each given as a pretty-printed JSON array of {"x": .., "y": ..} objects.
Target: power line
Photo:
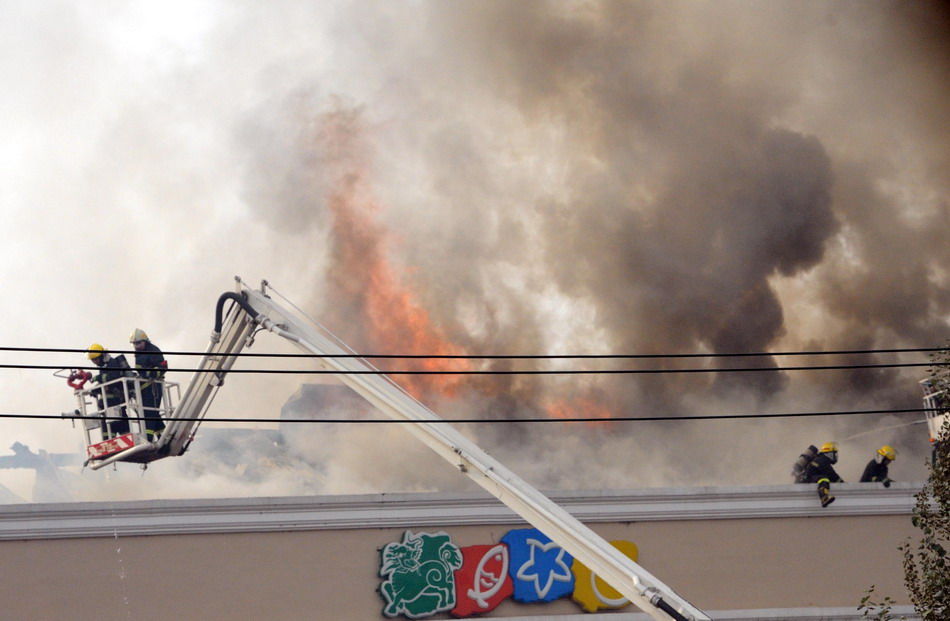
[
  {"x": 840, "y": 352},
  {"x": 357, "y": 421},
  {"x": 513, "y": 371}
]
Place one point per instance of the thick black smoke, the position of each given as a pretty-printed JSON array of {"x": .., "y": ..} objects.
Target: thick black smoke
[{"x": 617, "y": 177}]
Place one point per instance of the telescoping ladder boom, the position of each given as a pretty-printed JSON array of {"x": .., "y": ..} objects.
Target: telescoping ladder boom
[{"x": 255, "y": 308}]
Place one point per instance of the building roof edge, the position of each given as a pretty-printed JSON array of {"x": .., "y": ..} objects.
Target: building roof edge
[{"x": 221, "y": 515}]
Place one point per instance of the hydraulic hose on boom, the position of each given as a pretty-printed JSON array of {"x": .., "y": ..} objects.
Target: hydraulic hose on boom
[
  {"x": 233, "y": 331},
  {"x": 627, "y": 577}
]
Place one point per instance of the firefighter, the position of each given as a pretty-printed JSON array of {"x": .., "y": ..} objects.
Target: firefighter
[
  {"x": 876, "y": 470},
  {"x": 798, "y": 468},
  {"x": 151, "y": 367},
  {"x": 821, "y": 470},
  {"x": 111, "y": 394}
]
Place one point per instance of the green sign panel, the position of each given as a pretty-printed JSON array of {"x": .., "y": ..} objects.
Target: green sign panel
[{"x": 419, "y": 574}]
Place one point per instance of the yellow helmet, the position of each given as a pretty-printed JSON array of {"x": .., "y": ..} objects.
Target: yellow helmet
[
  {"x": 887, "y": 451},
  {"x": 829, "y": 447},
  {"x": 95, "y": 350},
  {"x": 138, "y": 335}
]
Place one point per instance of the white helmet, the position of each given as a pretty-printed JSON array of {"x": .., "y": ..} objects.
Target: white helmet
[{"x": 138, "y": 335}]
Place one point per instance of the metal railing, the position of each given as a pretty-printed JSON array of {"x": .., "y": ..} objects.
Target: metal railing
[{"x": 123, "y": 413}]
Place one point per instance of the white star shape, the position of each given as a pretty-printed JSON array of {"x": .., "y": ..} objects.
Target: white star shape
[{"x": 553, "y": 576}]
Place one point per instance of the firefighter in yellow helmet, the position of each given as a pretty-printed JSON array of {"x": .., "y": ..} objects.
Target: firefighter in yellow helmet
[
  {"x": 821, "y": 470},
  {"x": 111, "y": 393},
  {"x": 151, "y": 366},
  {"x": 876, "y": 470}
]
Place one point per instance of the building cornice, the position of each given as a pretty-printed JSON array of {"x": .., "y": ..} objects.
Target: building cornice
[{"x": 231, "y": 515}]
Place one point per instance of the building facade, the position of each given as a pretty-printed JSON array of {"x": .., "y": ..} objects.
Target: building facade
[{"x": 736, "y": 553}]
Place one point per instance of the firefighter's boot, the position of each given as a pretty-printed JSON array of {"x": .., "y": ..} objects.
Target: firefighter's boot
[{"x": 824, "y": 493}]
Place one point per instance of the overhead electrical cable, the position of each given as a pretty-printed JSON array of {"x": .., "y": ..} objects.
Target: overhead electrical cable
[
  {"x": 840, "y": 352},
  {"x": 357, "y": 421},
  {"x": 514, "y": 371}
]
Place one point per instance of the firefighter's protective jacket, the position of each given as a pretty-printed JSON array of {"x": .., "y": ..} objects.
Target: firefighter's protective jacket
[
  {"x": 821, "y": 468},
  {"x": 114, "y": 368},
  {"x": 150, "y": 363},
  {"x": 875, "y": 472}
]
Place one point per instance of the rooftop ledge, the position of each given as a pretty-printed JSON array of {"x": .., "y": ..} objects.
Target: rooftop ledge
[{"x": 229, "y": 515}]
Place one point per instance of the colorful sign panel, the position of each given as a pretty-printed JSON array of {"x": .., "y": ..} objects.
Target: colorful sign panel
[
  {"x": 483, "y": 579},
  {"x": 540, "y": 568},
  {"x": 425, "y": 574},
  {"x": 591, "y": 592},
  {"x": 419, "y": 575}
]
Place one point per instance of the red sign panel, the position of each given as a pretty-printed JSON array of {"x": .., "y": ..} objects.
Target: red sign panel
[
  {"x": 110, "y": 447},
  {"x": 483, "y": 581}
]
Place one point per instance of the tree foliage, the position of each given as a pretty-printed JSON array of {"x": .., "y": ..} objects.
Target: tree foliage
[
  {"x": 926, "y": 565},
  {"x": 871, "y": 609}
]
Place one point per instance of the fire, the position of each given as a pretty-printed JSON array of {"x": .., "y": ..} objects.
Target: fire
[
  {"x": 579, "y": 407},
  {"x": 391, "y": 317},
  {"x": 378, "y": 309}
]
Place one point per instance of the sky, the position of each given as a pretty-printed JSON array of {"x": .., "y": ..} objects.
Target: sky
[{"x": 485, "y": 178}]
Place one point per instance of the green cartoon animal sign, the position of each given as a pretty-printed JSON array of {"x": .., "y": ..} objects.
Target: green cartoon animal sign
[{"x": 419, "y": 571}]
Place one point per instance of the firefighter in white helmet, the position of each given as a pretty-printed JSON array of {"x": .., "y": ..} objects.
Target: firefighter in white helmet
[{"x": 151, "y": 367}]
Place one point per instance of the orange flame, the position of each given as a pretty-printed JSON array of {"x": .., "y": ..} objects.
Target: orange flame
[
  {"x": 579, "y": 407},
  {"x": 392, "y": 319}
]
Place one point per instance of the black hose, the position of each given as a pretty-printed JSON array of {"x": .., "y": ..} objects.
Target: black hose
[
  {"x": 673, "y": 612},
  {"x": 239, "y": 299}
]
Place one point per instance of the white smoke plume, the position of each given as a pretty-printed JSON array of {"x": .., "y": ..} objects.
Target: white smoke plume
[{"x": 504, "y": 178}]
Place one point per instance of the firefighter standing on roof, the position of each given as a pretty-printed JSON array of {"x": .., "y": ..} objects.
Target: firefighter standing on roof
[
  {"x": 151, "y": 366},
  {"x": 112, "y": 393},
  {"x": 821, "y": 471}
]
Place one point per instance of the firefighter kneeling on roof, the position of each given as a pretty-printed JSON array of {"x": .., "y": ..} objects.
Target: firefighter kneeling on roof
[
  {"x": 876, "y": 470},
  {"x": 816, "y": 466}
]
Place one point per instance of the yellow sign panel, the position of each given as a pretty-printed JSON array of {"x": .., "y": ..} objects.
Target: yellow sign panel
[{"x": 592, "y": 593}]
